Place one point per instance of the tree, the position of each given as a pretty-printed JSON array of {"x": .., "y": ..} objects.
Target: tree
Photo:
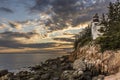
[
  {"x": 111, "y": 37},
  {"x": 84, "y": 38}
]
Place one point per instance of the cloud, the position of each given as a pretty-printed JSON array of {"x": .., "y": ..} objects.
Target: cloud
[
  {"x": 15, "y": 25},
  {"x": 68, "y": 12},
  {"x": 2, "y": 26},
  {"x": 23, "y": 37},
  {"x": 64, "y": 39},
  {"x": 14, "y": 40},
  {"x": 7, "y": 10},
  {"x": 18, "y": 45},
  {"x": 13, "y": 35}
]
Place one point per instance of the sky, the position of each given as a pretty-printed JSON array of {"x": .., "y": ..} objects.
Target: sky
[{"x": 44, "y": 26}]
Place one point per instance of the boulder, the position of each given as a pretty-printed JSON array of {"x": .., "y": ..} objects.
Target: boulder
[
  {"x": 8, "y": 76},
  {"x": 67, "y": 75},
  {"x": 35, "y": 77},
  {"x": 99, "y": 77},
  {"x": 56, "y": 78},
  {"x": 79, "y": 65},
  {"x": 77, "y": 73},
  {"x": 3, "y": 72},
  {"x": 45, "y": 76}
]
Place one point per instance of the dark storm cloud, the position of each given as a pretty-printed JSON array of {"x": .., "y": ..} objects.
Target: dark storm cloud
[
  {"x": 42, "y": 4},
  {"x": 65, "y": 6},
  {"x": 15, "y": 44},
  {"x": 18, "y": 45},
  {"x": 69, "y": 11},
  {"x": 9, "y": 43},
  {"x": 3, "y": 9},
  {"x": 11, "y": 35},
  {"x": 57, "y": 5},
  {"x": 7, "y": 40}
]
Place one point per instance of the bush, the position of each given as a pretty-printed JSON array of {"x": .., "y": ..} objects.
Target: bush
[
  {"x": 111, "y": 42},
  {"x": 83, "y": 39}
]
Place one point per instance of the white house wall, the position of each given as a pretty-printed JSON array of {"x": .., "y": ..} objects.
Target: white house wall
[{"x": 95, "y": 30}]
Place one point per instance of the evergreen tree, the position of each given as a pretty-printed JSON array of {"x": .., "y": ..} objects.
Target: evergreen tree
[
  {"x": 114, "y": 17},
  {"x": 111, "y": 37}
]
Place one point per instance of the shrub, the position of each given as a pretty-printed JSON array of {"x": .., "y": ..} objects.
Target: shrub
[
  {"x": 83, "y": 38},
  {"x": 111, "y": 42}
]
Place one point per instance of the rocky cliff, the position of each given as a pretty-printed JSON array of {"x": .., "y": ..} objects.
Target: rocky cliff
[{"x": 105, "y": 63}]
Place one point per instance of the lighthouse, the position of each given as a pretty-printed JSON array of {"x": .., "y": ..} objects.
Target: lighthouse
[{"x": 95, "y": 27}]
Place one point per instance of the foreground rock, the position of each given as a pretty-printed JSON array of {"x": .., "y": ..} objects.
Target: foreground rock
[
  {"x": 60, "y": 68},
  {"x": 89, "y": 64},
  {"x": 49, "y": 70},
  {"x": 3, "y": 72}
]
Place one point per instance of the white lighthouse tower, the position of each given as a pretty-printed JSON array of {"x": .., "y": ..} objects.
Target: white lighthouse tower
[{"x": 95, "y": 27}]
